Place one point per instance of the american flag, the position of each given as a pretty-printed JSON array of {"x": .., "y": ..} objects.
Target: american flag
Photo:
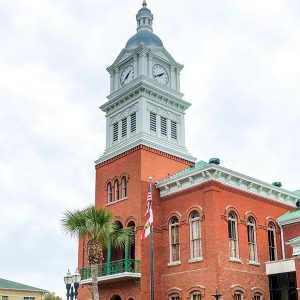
[{"x": 148, "y": 214}]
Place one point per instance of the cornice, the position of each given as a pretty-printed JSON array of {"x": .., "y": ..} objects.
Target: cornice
[
  {"x": 289, "y": 221},
  {"x": 144, "y": 86},
  {"x": 143, "y": 50},
  {"x": 149, "y": 141},
  {"x": 180, "y": 182}
]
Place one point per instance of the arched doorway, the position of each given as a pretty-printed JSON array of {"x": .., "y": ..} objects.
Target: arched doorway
[{"x": 116, "y": 297}]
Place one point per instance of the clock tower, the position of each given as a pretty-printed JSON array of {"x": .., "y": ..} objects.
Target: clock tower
[
  {"x": 145, "y": 136},
  {"x": 145, "y": 105}
]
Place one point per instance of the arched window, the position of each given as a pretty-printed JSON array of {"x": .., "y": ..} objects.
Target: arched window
[
  {"x": 195, "y": 235},
  {"x": 195, "y": 296},
  {"x": 117, "y": 190},
  {"x": 272, "y": 242},
  {"x": 131, "y": 224},
  {"x": 124, "y": 187},
  {"x": 174, "y": 239},
  {"x": 109, "y": 193},
  {"x": 238, "y": 295},
  {"x": 233, "y": 236},
  {"x": 174, "y": 297},
  {"x": 257, "y": 296},
  {"x": 252, "y": 246}
]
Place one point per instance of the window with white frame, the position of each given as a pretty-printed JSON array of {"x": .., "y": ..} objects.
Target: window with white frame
[
  {"x": 115, "y": 132},
  {"x": 152, "y": 122},
  {"x": 109, "y": 193},
  {"x": 238, "y": 295},
  {"x": 233, "y": 236},
  {"x": 252, "y": 246},
  {"x": 163, "y": 126},
  {"x": 257, "y": 296},
  {"x": 174, "y": 239},
  {"x": 174, "y": 134},
  {"x": 174, "y": 297},
  {"x": 133, "y": 122},
  {"x": 195, "y": 235},
  {"x": 29, "y": 298},
  {"x": 195, "y": 296},
  {"x": 272, "y": 242},
  {"x": 117, "y": 190},
  {"x": 4, "y": 297},
  {"x": 124, "y": 187},
  {"x": 124, "y": 127}
]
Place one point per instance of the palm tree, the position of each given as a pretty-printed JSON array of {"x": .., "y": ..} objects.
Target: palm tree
[{"x": 97, "y": 226}]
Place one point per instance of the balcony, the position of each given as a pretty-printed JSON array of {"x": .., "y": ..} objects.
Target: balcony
[{"x": 113, "y": 271}]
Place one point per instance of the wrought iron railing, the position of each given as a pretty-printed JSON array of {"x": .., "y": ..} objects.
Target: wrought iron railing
[{"x": 114, "y": 267}]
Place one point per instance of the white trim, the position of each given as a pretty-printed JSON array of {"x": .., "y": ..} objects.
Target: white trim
[
  {"x": 228, "y": 177},
  {"x": 114, "y": 277},
  {"x": 149, "y": 141},
  {"x": 291, "y": 220},
  {"x": 280, "y": 266}
]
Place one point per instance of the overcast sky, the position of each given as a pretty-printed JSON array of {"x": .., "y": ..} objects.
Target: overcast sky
[{"x": 242, "y": 76}]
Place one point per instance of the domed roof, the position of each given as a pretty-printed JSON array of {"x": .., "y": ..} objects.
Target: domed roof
[{"x": 145, "y": 37}]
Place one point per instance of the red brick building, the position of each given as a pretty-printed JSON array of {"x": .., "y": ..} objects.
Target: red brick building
[{"x": 214, "y": 228}]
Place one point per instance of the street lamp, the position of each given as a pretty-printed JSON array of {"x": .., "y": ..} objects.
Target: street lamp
[
  {"x": 69, "y": 279},
  {"x": 217, "y": 295}
]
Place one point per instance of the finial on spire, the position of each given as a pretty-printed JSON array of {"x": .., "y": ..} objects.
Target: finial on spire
[{"x": 144, "y": 3}]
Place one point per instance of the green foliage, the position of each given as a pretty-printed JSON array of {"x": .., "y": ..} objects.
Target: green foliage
[
  {"x": 52, "y": 297},
  {"x": 96, "y": 224}
]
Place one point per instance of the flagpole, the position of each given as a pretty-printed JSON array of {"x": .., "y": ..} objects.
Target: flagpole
[{"x": 151, "y": 256}]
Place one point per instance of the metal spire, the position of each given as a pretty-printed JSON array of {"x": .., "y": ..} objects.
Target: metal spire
[{"x": 144, "y": 3}]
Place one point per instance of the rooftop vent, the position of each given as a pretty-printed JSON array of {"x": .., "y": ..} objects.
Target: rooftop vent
[
  {"x": 277, "y": 184},
  {"x": 215, "y": 161}
]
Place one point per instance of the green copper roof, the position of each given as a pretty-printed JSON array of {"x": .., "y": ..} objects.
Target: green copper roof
[
  {"x": 198, "y": 165},
  {"x": 11, "y": 285},
  {"x": 293, "y": 214},
  {"x": 295, "y": 240}
]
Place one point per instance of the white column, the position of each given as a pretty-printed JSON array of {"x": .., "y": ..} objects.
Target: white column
[{"x": 173, "y": 78}]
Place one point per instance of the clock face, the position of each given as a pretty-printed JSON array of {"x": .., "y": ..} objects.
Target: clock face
[
  {"x": 160, "y": 74},
  {"x": 127, "y": 75}
]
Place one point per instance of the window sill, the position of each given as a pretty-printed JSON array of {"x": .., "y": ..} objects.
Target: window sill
[
  {"x": 174, "y": 263},
  {"x": 194, "y": 260},
  {"x": 254, "y": 263},
  {"x": 114, "y": 202},
  {"x": 235, "y": 260}
]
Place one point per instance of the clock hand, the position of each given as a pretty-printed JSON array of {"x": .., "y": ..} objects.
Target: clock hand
[
  {"x": 125, "y": 77},
  {"x": 159, "y": 75}
]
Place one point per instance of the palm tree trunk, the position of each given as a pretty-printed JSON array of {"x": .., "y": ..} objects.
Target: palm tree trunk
[{"x": 94, "y": 282}]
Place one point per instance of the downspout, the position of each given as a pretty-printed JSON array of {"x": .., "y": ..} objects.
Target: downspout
[{"x": 282, "y": 241}]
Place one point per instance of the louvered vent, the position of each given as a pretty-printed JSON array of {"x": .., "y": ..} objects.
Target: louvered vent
[
  {"x": 133, "y": 122},
  {"x": 124, "y": 127},
  {"x": 163, "y": 126},
  {"x": 152, "y": 122},
  {"x": 174, "y": 130},
  {"x": 115, "y": 132}
]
